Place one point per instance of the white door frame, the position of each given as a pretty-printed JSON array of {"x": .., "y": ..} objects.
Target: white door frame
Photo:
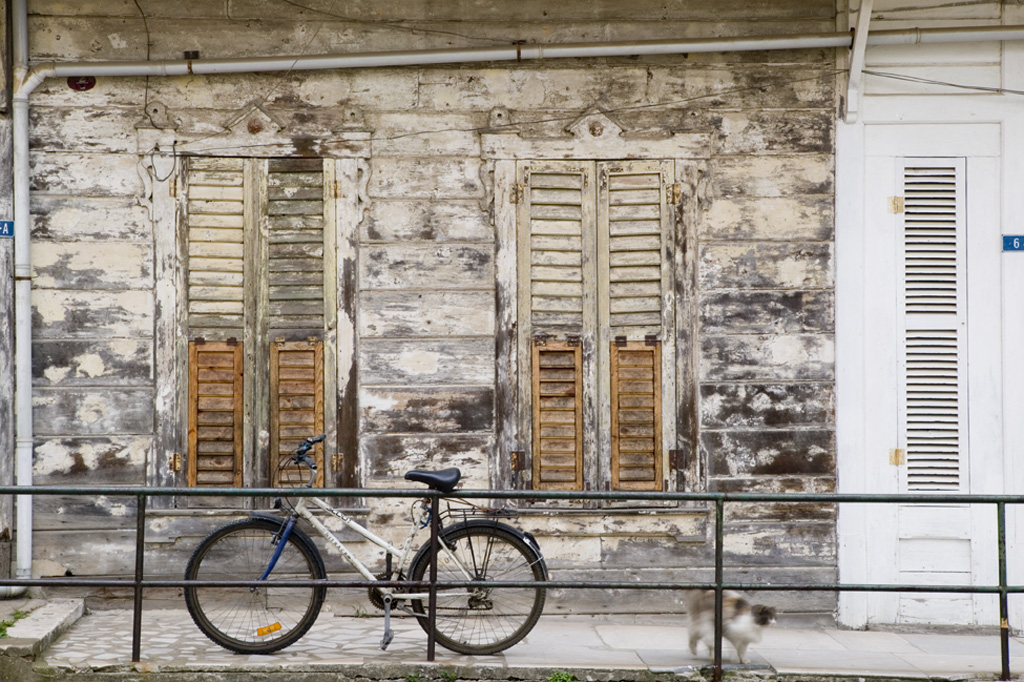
[{"x": 867, "y": 349}]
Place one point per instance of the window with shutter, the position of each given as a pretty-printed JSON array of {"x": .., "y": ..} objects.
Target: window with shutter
[
  {"x": 557, "y": 417},
  {"x": 595, "y": 276},
  {"x": 932, "y": 385},
  {"x": 256, "y": 243},
  {"x": 636, "y": 416},
  {"x": 297, "y": 405},
  {"x": 215, "y": 414}
]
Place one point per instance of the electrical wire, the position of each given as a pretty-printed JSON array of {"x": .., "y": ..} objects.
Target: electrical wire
[{"x": 930, "y": 81}]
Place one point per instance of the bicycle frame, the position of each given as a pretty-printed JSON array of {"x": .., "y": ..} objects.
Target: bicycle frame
[{"x": 420, "y": 516}]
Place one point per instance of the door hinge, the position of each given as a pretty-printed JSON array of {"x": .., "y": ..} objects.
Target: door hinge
[
  {"x": 175, "y": 463},
  {"x": 897, "y": 456},
  {"x": 336, "y": 461},
  {"x": 518, "y": 460},
  {"x": 518, "y": 190},
  {"x": 895, "y": 204},
  {"x": 674, "y": 195}
]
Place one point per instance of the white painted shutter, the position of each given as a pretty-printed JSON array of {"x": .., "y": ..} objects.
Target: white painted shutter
[
  {"x": 634, "y": 230},
  {"x": 556, "y": 235},
  {"x": 295, "y": 245},
  {"x": 216, "y": 245},
  {"x": 933, "y": 382}
]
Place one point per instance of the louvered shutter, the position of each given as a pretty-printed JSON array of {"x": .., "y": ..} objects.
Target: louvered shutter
[
  {"x": 634, "y": 239},
  {"x": 215, "y": 414},
  {"x": 634, "y": 230},
  {"x": 557, "y": 416},
  {"x": 216, "y": 246},
  {"x": 295, "y": 249},
  {"x": 933, "y": 294},
  {"x": 556, "y": 274},
  {"x": 297, "y": 406},
  {"x": 636, "y": 416}
]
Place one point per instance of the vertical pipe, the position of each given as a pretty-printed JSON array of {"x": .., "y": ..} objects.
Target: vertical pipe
[
  {"x": 22, "y": 291},
  {"x": 140, "y": 549},
  {"x": 1004, "y": 611},
  {"x": 435, "y": 527},
  {"x": 719, "y": 577}
]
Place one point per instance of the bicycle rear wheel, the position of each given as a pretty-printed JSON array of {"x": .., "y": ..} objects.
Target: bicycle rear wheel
[
  {"x": 481, "y": 620},
  {"x": 254, "y": 620}
]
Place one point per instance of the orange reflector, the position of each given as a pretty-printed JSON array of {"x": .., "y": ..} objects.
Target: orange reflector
[{"x": 273, "y": 627}]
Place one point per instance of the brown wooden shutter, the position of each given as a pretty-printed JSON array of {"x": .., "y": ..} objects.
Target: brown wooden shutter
[
  {"x": 636, "y": 416},
  {"x": 557, "y": 417},
  {"x": 215, "y": 414},
  {"x": 296, "y": 405}
]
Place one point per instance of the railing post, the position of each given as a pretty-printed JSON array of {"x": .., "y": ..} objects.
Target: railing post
[
  {"x": 1004, "y": 610},
  {"x": 140, "y": 550},
  {"x": 719, "y": 577},
  {"x": 435, "y": 525}
]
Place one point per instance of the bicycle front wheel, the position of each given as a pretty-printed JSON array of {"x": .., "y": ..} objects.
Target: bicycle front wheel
[
  {"x": 254, "y": 620},
  {"x": 482, "y": 620}
]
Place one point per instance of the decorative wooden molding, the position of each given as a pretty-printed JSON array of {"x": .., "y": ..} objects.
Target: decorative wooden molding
[{"x": 593, "y": 135}]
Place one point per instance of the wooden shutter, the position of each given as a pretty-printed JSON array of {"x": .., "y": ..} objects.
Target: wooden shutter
[
  {"x": 932, "y": 382},
  {"x": 295, "y": 249},
  {"x": 215, "y": 414},
  {"x": 636, "y": 416},
  {"x": 556, "y": 247},
  {"x": 557, "y": 417},
  {"x": 216, "y": 245},
  {"x": 297, "y": 405},
  {"x": 635, "y": 281},
  {"x": 634, "y": 232}
]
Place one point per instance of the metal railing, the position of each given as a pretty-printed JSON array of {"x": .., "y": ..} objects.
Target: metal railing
[{"x": 139, "y": 583}]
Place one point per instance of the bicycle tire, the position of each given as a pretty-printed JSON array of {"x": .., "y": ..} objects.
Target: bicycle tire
[
  {"x": 254, "y": 620},
  {"x": 482, "y": 621}
]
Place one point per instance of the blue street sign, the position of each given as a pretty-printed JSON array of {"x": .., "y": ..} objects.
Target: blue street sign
[
  {"x": 1013, "y": 242},
  {"x": 7, "y": 229}
]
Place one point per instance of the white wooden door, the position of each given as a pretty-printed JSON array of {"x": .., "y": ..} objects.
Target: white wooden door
[{"x": 929, "y": 384}]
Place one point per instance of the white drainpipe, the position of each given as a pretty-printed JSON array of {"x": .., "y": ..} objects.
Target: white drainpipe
[{"x": 27, "y": 80}]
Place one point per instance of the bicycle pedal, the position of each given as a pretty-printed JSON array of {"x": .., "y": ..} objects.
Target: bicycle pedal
[{"x": 386, "y": 639}]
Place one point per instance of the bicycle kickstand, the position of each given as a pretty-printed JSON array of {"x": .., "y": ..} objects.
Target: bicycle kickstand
[{"x": 388, "y": 635}]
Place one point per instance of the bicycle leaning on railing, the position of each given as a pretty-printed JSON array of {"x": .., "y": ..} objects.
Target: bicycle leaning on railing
[{"x": 473, "y": 546}]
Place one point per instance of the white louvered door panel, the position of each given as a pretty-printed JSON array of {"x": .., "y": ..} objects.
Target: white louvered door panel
[{"x": 933, "y": 291}]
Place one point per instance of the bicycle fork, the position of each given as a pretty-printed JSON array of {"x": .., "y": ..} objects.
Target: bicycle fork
[{"x": 282, "y": 541}]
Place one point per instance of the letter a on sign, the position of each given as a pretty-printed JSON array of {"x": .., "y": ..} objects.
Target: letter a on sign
[{"x": 7, "y": 229}]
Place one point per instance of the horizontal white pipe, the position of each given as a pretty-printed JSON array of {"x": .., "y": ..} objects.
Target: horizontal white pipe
[{"x": 512, "y": 53}]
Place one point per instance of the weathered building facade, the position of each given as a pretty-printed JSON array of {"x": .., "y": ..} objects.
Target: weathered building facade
[{"x": 611, "y": 273}]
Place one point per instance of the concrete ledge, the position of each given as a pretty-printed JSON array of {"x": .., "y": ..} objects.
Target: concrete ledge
[{"x": 46, "y": 621}]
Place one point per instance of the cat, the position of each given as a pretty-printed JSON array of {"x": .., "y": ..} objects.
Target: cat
[{"x": 742, "y": 622}]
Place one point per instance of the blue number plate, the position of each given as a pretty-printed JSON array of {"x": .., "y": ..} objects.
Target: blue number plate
[
  {"x": 7, "y": 228},
  {"x": 1013, "y": 242}
]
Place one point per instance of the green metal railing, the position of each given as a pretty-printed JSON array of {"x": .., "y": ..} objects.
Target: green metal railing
[{"x": 139, "y": 583}]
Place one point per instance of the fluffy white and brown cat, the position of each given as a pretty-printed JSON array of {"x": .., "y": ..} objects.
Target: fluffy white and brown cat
[{"x": 742, "y": 622}]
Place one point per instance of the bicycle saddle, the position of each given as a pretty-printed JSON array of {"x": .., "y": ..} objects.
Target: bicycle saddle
[{"x": 443, "y": 481}]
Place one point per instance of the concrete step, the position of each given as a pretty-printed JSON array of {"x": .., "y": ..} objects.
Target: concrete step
[{"x": 36, "y": 624}]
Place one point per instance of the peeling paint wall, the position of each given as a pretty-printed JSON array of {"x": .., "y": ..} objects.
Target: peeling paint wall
[{"x": 758, "y": 411}]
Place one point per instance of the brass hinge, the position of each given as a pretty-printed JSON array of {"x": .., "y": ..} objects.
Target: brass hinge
[
  {"x": 674, "y": 195},
  {"x": 518, "y": 190},
  {"x": 518, "y": 460},
  {"x": 336, "y": 461},
  {"x": 175, "y": 463},
  {"x": 897, "y": 456},
  {"x": 896, "y": 205}
]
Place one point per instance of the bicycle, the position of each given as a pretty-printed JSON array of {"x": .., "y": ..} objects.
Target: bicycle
[{"x": 270, "y": 548}]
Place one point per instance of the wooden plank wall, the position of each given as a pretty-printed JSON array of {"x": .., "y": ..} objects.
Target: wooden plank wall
[{"x": 762, "y": 413}]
